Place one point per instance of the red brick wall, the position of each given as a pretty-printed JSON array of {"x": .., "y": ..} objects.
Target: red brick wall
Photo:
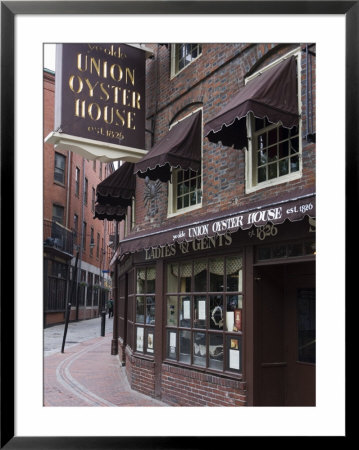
[
  {"x": 140, "y": 373},
  {"x": 212, "y": 80},
  {"x": 185, "y": 387}
]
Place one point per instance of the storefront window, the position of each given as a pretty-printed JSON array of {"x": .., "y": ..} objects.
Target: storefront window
[
  {"x": 145, "y": 309},
  {"x": 204, "y": 315}
]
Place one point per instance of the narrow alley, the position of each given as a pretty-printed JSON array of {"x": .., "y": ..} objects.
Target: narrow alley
[{"x": 86, "y": 374}]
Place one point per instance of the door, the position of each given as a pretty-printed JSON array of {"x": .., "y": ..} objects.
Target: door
[{"x": 284, "y": 346}]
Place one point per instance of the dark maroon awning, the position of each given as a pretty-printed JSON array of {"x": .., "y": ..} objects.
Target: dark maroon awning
[
  {"x": 271, "y": 95},
  {"x": 292, "y": 209},
  {"x": 114, "y": 194},
  {"x": 110, "y": 212},
  {"x": 119, "y": 187},
  {"x": 181, "y": 147}
]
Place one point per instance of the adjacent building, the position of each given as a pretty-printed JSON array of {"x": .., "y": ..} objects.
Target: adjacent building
[
  {"x": 77, "y": 247},
  {"x": 215, "y": 271}
]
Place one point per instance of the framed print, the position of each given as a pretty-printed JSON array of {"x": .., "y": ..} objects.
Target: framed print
[{"x": 25, "y": 423}]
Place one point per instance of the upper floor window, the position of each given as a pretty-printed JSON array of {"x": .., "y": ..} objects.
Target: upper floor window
[
  {"x": 186, "y": 190},
  {"x": 58, "y": 213},
  {"x": 77, "y": 181},
  {"x": 274, "y": 152},
  {"x": 59, "y": 169},
  {"x": 86, "y": 191},
  {"x": 182, "y": 55}
]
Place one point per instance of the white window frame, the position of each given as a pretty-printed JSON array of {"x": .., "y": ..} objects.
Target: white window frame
[
  {"x": 172, "y": 208},
  {"x": 251, "y": 166},
  {"x": 175, "y": 72}
]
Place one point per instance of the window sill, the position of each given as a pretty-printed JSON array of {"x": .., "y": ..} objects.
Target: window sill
[
  {"x": 184, "y": 211},
  {"x": 274, "y": 182},
  {"x": 58, "y": 183}
]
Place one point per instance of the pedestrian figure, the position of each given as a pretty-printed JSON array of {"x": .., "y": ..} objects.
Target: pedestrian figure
[{"x": 110, "y": 308}]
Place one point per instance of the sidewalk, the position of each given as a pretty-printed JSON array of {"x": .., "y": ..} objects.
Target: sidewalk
[{"x": 86, "y": 374}]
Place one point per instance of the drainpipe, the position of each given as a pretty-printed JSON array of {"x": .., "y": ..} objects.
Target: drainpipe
[{"x": 114, "y": 343}]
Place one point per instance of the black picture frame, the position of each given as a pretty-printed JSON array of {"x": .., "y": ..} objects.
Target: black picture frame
[{"x": 9, "y": 10}]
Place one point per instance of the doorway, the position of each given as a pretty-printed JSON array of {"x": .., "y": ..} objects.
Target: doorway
[{"x": 284, "y": 335}]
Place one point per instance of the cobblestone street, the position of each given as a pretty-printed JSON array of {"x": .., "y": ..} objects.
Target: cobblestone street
[{"x": 86, "y": 374}]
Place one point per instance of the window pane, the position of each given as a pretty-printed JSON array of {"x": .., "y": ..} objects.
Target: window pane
[
  {"x": 216, "y": 351},
  {"x": 185, "y": 311},
  {"x": 279, "y": 251},
  {"x": 234, "y": 313},
  {"x": 233, "y": 345},
  {"x": 141, "y": 277},
  {"x": 140, "y": 309},
  {"x": 283, "y": 149},
  {"x": 294, "y": 163},
  {"x": 172, "y": 278},
  {"x": 294, "y": 145},
  {"x": 262, "y": 174},
  {"x": 272, "y": 153},
  {"x": 272, "y": 171},
  {"x": 199, "y": 349},
  {"x": 306, "y": 325},
  {"x": 171, "y": 344},
  {"x": 150, "y": 341},
  {"x": 150, "y": 310},
  {"x": 185, "y": 346},
  {"x": 295, "y": 249},
  {"x": 200, "y": 311},
  {"x": 283, "y": 167},
  {"x": 272, "y": 136},
  {"x": 216, "y": 273},
  {"x": 139, "y": 339},
  {"x": 234, "y": 273},
  {"x": 172, "y": 310},
  {"x": 262, "y": 157},
  {"x": 216, "y": 312},
  {"x": 200, "y": 279},
  {"x": 151, "y": 279},
  {"x": 263, "y": 253}
]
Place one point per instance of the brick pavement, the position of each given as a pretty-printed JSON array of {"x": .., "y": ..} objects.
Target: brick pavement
[{"x": 88, "y": 375}]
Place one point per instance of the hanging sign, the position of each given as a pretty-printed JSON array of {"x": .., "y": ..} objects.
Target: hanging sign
[{"x": 100, "y": 93}]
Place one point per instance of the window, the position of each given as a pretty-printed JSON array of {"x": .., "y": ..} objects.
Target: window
[
  {"x": 182, "y": 55},
  {"x": 274, "y": 154},
  {"x": 59, "y": 170},
  {"x": 92, "y": 242},
  {"x": 94, "y": 165},
  {"x": 145, "y": 309},
  {"x": 77, "y": 181},
  {"x": 86, "y": 191},
  {"x": 98, "y": 246},
  {"x": 58, "y": 214},
  {"x": 204, "y": 313},
  {"x": 100, "y": 170},
  {"x": 186, "y": 190},
  {"x": 93, "y": 200}
]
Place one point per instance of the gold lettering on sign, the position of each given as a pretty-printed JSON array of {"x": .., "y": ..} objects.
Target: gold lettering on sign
[
  {"x": 108, "y": 89},
  {"x": 208, "y": 242}
]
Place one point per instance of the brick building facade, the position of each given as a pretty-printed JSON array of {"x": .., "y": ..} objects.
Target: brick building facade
[
  {"x": 215, "y": 275},
  {"x": 69, "y": 195}
]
